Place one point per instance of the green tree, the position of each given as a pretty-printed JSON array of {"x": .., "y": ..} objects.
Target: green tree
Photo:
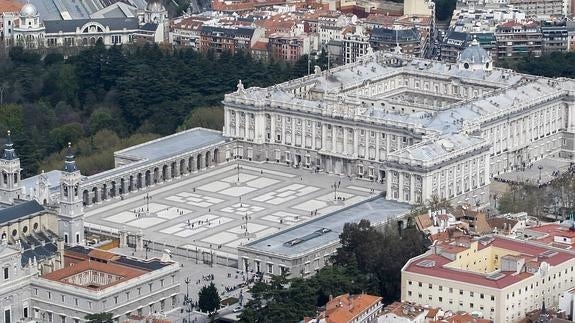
[
  {"x": 444, "y": 9},
  {"x": 61, "y": 136},
  {"x": 436, "y": 203},
  {"x": 205, "y": 117},
  {"x": 209, "y": 299},
  {"x": 104, "y": 317}
]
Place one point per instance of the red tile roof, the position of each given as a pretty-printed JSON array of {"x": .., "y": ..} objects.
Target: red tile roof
[
  {"x": 102, "y": 255},
  {"x": 124, "y": 271},
  {"x": 260, "y": 45},
  {"x": 344, "y": 308},
  {"x": 462, "y": 318},
  {"x": 10, "y": 6}
]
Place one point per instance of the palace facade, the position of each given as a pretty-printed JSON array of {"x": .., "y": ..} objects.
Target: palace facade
[{"x": 421, "y": 127}]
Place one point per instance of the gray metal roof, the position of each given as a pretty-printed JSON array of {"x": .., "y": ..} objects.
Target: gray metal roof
[
  {"x": 175, "y": 144},
  {"x": 29, "y": 184},
  {"x": 75, "y": 9},
  {"x": 475, "y": 54},
  {"x": 55, "y": 26},
  {"x": 376, "y": 211},
  {"x": 60, "y": 9},
  {"x": 163, "y": 148},
  {"x": 149, "y": 27},
  {"x": 20, "y": 210}
]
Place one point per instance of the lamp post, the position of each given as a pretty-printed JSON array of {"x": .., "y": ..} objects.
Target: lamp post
[
  {"x": 246, "y": 218},
  {"x": 146, "y": 247},
  {"x": 334, "y": 186},
  {"x": 147, "y": 198},
  {"x": 188, "y": 299},
  {"x": 187, "y": 282},
  {"x": 238, "y": 168}
]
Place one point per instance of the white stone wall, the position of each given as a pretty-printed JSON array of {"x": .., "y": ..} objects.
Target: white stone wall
[{"x": 154, "y": 292}]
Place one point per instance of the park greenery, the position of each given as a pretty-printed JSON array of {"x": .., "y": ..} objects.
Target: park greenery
[
  {"x": 104, "y": 99},
  {"x": 369, "y": 260},
  {"x": 555, "y": 200},
  {"x": 555, "y": 64}
]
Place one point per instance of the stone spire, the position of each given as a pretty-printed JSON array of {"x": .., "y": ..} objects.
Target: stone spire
[
  {"x": 71, "y": 215},
  {"x": 9, "y": 152},
  {"x": 10, "y": 170},
  {"x": 70, "y": 163}
]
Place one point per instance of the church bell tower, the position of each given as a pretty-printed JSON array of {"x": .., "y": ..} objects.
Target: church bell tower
[
  {"x": 71, "y": 216},
  {"x": 10, "y": 167}
]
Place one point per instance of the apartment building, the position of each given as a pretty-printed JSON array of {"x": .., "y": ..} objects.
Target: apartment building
[
  {"x": 497, "y": 278},
  {"x": 517, "y": 39}
]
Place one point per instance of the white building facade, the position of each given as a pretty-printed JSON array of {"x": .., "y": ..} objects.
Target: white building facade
[{"x": 422, "y": 128}]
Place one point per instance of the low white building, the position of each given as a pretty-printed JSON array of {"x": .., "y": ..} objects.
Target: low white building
[
  {"x": 15, "y": 280},
  {"x": 96, "y": 281}
]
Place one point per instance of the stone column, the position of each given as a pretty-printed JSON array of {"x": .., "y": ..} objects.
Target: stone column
[
  {"x": 140, "y": 240},
  {"x": 248, "y": 119},
  {"x": 323, "y": 136},
  {"x": 293, "y": 132},
  {"x": 168, "y": 174},
  {"x": 237, "y": 113},
  {"x": 345, "y": 141},
  {"x": 272, "y": 128},
  {"x": 366, "y": 152},
  {"x": 355, "y": 143},
  {"x": 97, "y": 198},
  {"x": 377, "y": 150},
  {"x": 283, "y": 141},
  {"x": 115, "y": 189},
  {"x": 400, "y": 186},
  {"x": 226, "y": 122},
  {"x": 313, "y": 130},
  {"x": 177, "y": 168},
  {"x": 333, "y": 138},
  {"x": 123, "y": 238},
  {"x": 203, "y": 161},
  {"x": 412, "y": 188},
  {"x": 192, "y": 164}
]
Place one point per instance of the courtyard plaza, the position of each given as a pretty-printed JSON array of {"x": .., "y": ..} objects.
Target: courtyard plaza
[
  {"x": 212, "y": 213},
  {"x": 540, "y": 172}
]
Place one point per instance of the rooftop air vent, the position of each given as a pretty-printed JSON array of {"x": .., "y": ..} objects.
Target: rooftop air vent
[
  {"x": 495, "y": 276},
  {"x": 427, "y": 263}
]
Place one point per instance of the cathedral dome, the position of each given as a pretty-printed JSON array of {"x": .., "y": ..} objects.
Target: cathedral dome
[
  {"x": 475, "y": 58},
  {"x": 155, "y": 6},
  {"x": 475, "y": 54},
  {"x": 28, "y": 11}
]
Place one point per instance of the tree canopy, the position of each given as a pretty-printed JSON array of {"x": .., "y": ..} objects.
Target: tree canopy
[
  {"x": 555, "y": 64},
  {"x": 208, "y": 298},
  {"x": 104, "y": 317},
  {"x": 119, "y": 93},
  {"x": 369, "y": 260}
]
